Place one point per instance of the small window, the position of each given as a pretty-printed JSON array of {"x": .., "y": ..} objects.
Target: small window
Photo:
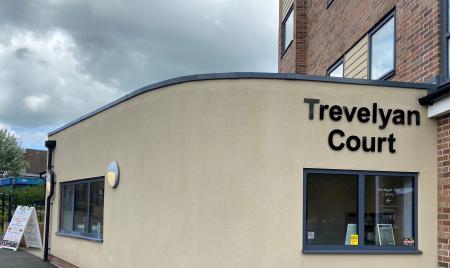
[
  {"x": 359, "y": 211},
  {"x": 337, "y": 70},
  {"x": 82, "y": 208},
  {"x": 382, "y": 49},
  {"x": 446, "y": 40},
  {"x": 288, "y": 29},
  {"x": 329, "y": 2}
]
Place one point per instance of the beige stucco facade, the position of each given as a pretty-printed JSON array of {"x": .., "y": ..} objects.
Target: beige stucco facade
[{"x": 212, "y": 173}]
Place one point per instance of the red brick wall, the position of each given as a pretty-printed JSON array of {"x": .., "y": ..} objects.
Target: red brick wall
[
  {"x": 443, "y": 152},
  {"x": 301, "y": 33},
  {"x": 324, "y": 35},
  {"x": 294, "y": 59}
]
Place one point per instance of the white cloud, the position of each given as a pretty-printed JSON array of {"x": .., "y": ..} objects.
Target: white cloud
[
  {"x": 36, "y": 103},
  {"x": 8, "y": 128},
  {"x": 46, "y": 78}
]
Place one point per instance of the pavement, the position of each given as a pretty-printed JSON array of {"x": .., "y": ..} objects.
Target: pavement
[{"x": 21, "y": 259}]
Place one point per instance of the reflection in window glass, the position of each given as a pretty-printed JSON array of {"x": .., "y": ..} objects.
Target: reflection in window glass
[
  {"x": 96, "y": 208},
  {"x": 389, "y": 217},
  {"x": 289, "y": 30},
  {"x": 331, "y": 209},
  {"x": 67, "y": 208},
  {"x": 80, "y": 217},
  {"x": 338, "y": 71},
  {"x": 382, "y": 50}
]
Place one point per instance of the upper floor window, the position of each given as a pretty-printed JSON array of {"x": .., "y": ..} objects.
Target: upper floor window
[
  {"x": 329, "y": 2},
  {"x": 382, "y": 49},
  {"x": 446, "y": 39},
  {"x": 337, "y": 70},
  {"x": 288, "y": 29}
]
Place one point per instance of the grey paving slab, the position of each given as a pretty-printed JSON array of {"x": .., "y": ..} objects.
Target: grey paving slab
[{"x": 21, "y": 259}]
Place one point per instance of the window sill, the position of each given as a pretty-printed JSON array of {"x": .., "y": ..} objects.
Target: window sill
[
  {"x": 362, "y": 251},
  {"x": 99, "y": 240}
]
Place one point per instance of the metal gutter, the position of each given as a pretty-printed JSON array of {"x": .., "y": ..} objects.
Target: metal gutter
[{"x": 439, "y": 92}]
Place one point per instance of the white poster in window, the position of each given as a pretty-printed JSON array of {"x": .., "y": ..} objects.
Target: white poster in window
[
  {"x": 23, "y": 223},
  {"x": 385, "y": 234}
]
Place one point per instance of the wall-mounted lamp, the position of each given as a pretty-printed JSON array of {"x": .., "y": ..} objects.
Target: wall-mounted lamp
[{"x": 113, "y": 174}]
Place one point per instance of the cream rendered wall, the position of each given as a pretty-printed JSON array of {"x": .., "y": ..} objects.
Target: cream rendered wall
[{"x": 211, "y": 174}]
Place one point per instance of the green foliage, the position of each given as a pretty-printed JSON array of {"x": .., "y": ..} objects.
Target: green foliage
[
  {"x": 33, "y": 195},
  {"x": 27, "y": 196},
  {"x": 12, "y": 161}
]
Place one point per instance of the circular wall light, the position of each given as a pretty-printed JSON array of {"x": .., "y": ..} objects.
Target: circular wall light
[{"x": 113, "y": 174}]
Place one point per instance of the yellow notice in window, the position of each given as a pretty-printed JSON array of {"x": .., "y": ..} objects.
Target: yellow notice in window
[{"x": 354, "y": 240}]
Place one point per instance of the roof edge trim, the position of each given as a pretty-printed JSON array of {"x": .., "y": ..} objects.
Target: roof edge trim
[{"x": 243, "y": 75}]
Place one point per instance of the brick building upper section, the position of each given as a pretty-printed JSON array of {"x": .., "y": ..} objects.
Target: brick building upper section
[{"x": 326, "y": 33}]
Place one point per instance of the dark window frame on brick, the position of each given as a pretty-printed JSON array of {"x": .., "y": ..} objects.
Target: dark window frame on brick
[
  {"x": 285, "y": 47},
  {"x": 445, "y": 40},
  {"x": 329, "y": 2},
  {"x": 361, "y": 248},
  {"x": 378, "y": 26},
  {"x": 86, "y": 234},
  {"x": 335, "y": 66}
]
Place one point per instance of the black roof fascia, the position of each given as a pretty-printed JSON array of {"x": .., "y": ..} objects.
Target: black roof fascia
[
  {"x": 244, "y": 75},
  {"x": 435, "y": 94}
]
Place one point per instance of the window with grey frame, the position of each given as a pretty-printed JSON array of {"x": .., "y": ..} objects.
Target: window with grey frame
[
  {"x": 337, "y": 70},
  {"x": 445, "y": 38},
  {"x": 382, "y": 49},
  {"x": 81, "y": 211},
  {"x": 288, "y": 29},
  {"x": 329, "y": 2},
  {"x": 359, "y": 211}
]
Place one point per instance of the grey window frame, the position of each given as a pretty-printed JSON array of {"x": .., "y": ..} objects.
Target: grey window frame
[
  {"x": 361, "y": 248},
  {"x": 380, "y": 24},
  {"x": 445, "y": 39},
  {"x": 335, "y": 65},
  {"x": 285, "y": 47},
  {"x": 75, "y": 234},
  {"x": 329, "y": 2}
]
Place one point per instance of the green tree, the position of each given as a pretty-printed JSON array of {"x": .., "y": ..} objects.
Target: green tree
[{"x": 12, "y": 161}]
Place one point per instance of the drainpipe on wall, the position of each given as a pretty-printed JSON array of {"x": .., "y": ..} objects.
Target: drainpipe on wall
[{"x": 50, "y": 144}]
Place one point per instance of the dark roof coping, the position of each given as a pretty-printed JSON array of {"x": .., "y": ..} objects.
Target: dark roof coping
[
  {"x": 249, "y": 75},
  {"x": 437, "y": 93}
]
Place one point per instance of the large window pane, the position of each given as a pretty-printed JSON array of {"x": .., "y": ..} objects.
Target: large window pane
[
  {"x": 448, "y": 14},
  {"x": 389, "y": 211},
  {"x": 382, "y": 50},
  {"x": 332, "y": 206},
  {"x": 448, "y": 56},
  {"x": 67, "y": 208},
  {"x": 289, "y": 29},
  {"x": 81, "y": 218},
  {"x": 96, "y": 208}
]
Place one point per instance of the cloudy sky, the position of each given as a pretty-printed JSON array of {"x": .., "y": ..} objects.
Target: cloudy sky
[{"x": 61, "y": 59}]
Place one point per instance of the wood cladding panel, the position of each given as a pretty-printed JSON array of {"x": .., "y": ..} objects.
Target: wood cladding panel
[
  {"x": 356, "y": 60},
  {"x": 285, "y": 7}
]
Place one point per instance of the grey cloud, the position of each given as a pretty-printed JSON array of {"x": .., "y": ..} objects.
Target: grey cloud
[{"x": 115, "y": 46}]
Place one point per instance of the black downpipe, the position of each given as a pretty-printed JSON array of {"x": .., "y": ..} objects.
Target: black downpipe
[{"x": 50, "y": 144}]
